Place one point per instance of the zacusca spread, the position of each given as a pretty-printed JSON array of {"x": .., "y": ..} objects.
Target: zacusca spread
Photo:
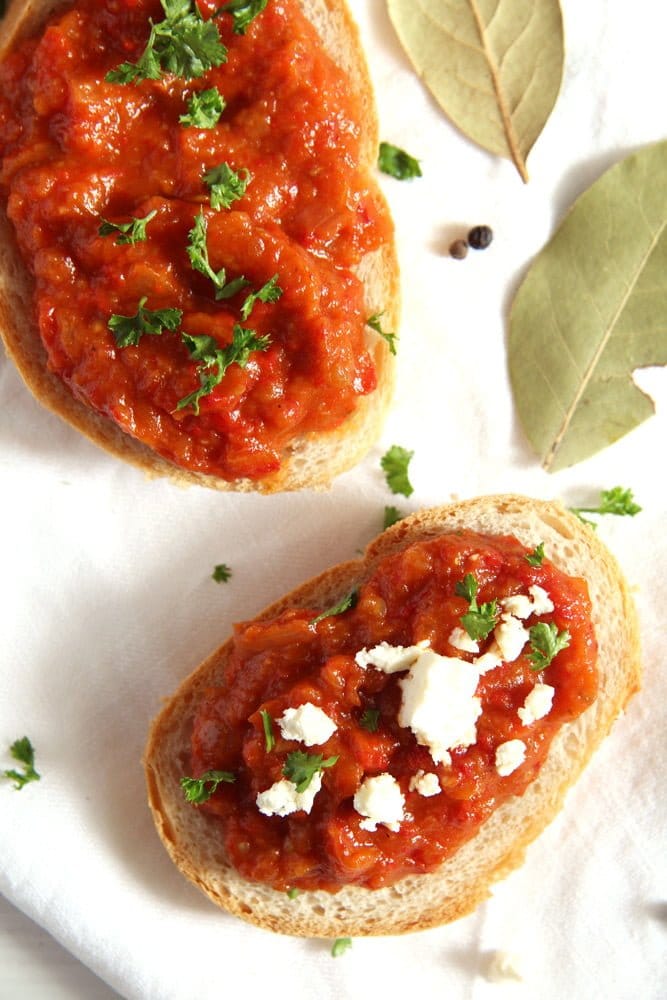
[
  {"x": 234, "y": 322},
  {"x": 368, "y": 744}
]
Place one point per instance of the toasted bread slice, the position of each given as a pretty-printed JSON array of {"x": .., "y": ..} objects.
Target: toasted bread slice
[
  {"x": 464, "y": 880},
  {"x": 312, "y": 460}
]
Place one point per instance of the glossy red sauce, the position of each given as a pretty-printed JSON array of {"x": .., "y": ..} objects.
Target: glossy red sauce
[
  {"x": 76, "y": 149},
  {"x": 287, "y": 662}
]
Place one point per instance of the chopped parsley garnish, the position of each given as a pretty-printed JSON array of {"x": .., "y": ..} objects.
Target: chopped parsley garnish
[
  {"x": 267, "y": 725},
  {"x": 344, "y": 605},
  {"x": 545, "y": 643},
  {"x": 370, "y": 719},
  {"x": 391, "y": 516},
  {"x": 183, "y": 44},
  {"x": 222, "y": 573},
  {"x": 292, "y": 893},
  {"x": 198, "y": 790},
  {"x": 22, "y": 751},
  {"x": 397, "y": 163},
  {"x": 128, "y": 330},
  {"x": 128, "y": 232},
  {"x": 215, "y": 360},
  {"x": 301, "y": 768},
  {"x": 204, "y": 109},
  {"x": 243, "y": 12},
  {"x": 340, "y": 946},
  {"x": 535, "y": 557},
  {"x": 395, "y": 465},
  {"x": 226, "y": 185},
  {"x": 270, "y": 292},
  {"x": 198, "y": 254},
  {"x": 618, "y": 501},
  {"x": 479, "y": 619},
  {"x": 391, "y": 338}
]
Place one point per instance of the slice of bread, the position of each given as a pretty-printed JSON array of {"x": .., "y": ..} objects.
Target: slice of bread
[
  {"x": 312, "y": 460},
  {"x": 463, "y": 881}
]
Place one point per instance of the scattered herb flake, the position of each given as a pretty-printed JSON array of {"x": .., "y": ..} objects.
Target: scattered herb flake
[
  {"x": 128, "y": 232},
  {"x": 344, "y": 605},
  {"x": 370, "y": 719},
  {"x": 198, "y": 790},
  {"x": 198, "y": 254},
  {"x": 214, "y": 360},
  {"x": 243, "y": 12},
  {"x": 391, "y": 338},
  {"x": 270, "y": 292},
  {"x": 479, "y": 619},
  {"x": 226, "y": 185},
  {"x": 301, "y": 768},
  {"x": 22, "y": 751},
  {"x": 545, "y": 643},
  {"x": 395, "y": 465},
  {"x": 222, "y": 573},
  {"x": 536, "y": 557},
  {"x": 267, "y": 725},
  {"x": 340, "y": 946},
  {"x": 204, "y": 109},
  {"x": 292, "y": 893},
  {"x": 397, "y": 163},
  {"x": 128, "y": 330},
  {"x": 391, "y": 516}
]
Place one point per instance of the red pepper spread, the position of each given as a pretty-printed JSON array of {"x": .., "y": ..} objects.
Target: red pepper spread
[
  {"x": 77, "y": 149},
  {"x": 283, "y": 664}
]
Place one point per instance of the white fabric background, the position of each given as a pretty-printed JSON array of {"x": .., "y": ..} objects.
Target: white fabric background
[{"x": 107, "y": 597}]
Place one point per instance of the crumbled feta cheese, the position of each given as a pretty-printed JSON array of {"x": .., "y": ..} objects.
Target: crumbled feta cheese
[
  {"x": 381, "y": 801},
  {"x": 542, "y": 603},
  {"x": 460, "y": 639},
  {"x": 510, "y": 636},
  {"x": 504, "y": 965},
  {"x": 282, "y": 798},
  {"x": 439, "y": 703},
  {"x": 488, "y": 661},
  {"x": 520, "y": 605},
  {"x": 537, "y": 704},
  {"x": 426, "y": 784},
  {"x": 390, "y": 659},
  {"x": 308, "y": 724},
  {"x": 509, "y": 756}
]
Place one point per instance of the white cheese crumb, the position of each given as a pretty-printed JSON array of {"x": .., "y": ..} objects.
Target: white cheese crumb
[
  {"x": 488, "y": 661},
  {"x": 390, "y": 659},
  {"x": 282, "y": 798},
  {"x": 511, "y": 637},
  {"x": 308, "y": 724},
  {"x": 504, "y": 965},
  {"x": 537, "y": 704},
  {"x": 509, "y": 756},
  {"x": 542, "y": 603},
  {"x": 520, "y": 605},
  {"x": 460, "y": 639},
  {"x": 439, "y": 703},
  {"x": 426, "y": 784},
  {"x": 381, "y": 801}
]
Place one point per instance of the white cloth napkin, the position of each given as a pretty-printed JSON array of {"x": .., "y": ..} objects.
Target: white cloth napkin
[{"x": 108, "y": 599}]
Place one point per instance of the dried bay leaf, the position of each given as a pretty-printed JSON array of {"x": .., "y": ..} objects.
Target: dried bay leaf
[
  {"x": 591, "y": 310},
  {"x": 494, "y": 66}
]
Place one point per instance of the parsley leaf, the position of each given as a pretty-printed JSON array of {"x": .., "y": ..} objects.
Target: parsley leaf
[
  {"x": 128, "y": 330},
  {"x": 340, "y": 946},
  {"x": 226, "y": 185},
  {"x": 183, "y": 44},
  {"x": 222, "y": 573},
  {"x": 395, "y": 465},
  {"x": 617, "y": 501},
  {"x": 129, "y": 232},
  {"x": 243, "y": 12},
  {"x": 545, "y": 642},
  {"x": 270, "y": 292},
  {"x": 397, "y": 163},
  {"x": 479, "y": 619},
  {"x": 370, "y": 719},
  {"x": 391, "y": 338},
  {"x": 301, "y": 768},
  {"x": 292, "y": 893},
  {"x": 22, "y": 751},
  {"x": 267, "y": 725},
  {"x": 535, "y": 557},
  {"x": 391, "y": 516},
  {"x": 198, "y": 790},
  {"x": 214, "y": 360},
  {"x": 347, "y": 602},
  {"x": 204, "y": 109},
  {"x": 198, "y": 254}
]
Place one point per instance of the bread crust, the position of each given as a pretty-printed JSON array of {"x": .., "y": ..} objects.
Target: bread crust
[
  {"x": 463, "y": 881},
  {"x": 312, "y": 460}
]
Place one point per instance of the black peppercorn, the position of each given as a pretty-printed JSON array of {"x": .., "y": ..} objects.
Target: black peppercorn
[
  {"x": 480, "y": 237},
  {"x": 458, "y": 249}
]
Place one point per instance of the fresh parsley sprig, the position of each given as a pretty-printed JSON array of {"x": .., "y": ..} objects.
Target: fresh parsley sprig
[
  {"x": 183, "y": 44},
  {"x": 204, "y": 109},
  {"x": 301, "y": 768},
  {"x": 343, "y": 605},
  {"x": 22, "y": 751},
  {"x": 545, "y": 643},
  {"x": 215, "y": 360},
  {"x": 479, "y": 619},
  {"x": 618, "y": 501},
  {"x": 397, "y": 163},
  {"x": 370, "y": 719},
  {"x": 270, "y": 292},
  {"x": 391, "y": 516},
  {"x": 198, "y": 254},
  {"x": 128, "y": 330},
  {"x": 222, "y": 573},
  {"x": 536, "y": 557},
  {"x": 375, "y": 324},
  {"x": 198, "y": 790},
  {"x": 243, "y": 12},
  {"x": 128, "y": 232},
  {"x": 226, "y": 185},
  {"x": 267, "y": 726},
  {"x": 395, "y": 465}
]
